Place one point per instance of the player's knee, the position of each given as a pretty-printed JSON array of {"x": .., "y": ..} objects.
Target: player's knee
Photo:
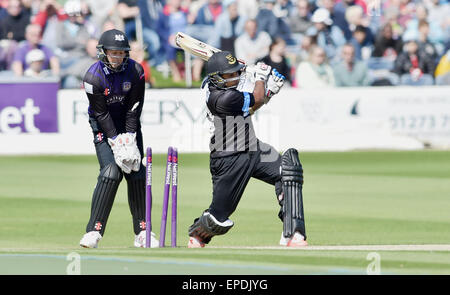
[
  {"x": 111, "y": 171},
  {"x": 291, "y": 167}
]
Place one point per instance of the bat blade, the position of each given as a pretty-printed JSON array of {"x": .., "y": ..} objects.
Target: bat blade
[{"x": 194, "y": 46}]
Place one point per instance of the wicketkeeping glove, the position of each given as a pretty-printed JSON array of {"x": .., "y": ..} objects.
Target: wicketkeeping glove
[
  {"x": 262, "y": 71},
  {"x": 126, "y": 152},
  {"x": 120, "y": 153},
  {"x": 274, "y": 84},
  {"x": 134, "y": 156}
]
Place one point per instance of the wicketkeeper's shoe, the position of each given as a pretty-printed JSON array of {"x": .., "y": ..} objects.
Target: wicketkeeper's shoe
[
  {"x": 90, "y": 239},
  {"x": 297, "y": 240},
  {"x": 195, "y": 242},
  {"x": 140, "y": 239}
]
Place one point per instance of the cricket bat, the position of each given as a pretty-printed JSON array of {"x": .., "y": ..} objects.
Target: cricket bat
[{"x": 196, "y": 47}]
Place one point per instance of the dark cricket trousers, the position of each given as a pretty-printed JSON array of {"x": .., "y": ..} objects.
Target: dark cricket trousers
[
  {"x": 231, "y": 174},
  {"x": 103, "y": 198}
]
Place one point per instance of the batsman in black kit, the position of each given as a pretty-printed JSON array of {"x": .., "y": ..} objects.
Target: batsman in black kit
[
  {"x": 115, "y": 87},
  {"x": 237, "y": 154}
]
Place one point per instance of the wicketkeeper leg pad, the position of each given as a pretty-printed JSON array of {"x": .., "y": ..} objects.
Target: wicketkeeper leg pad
[
  {"x": 207, "y": 226},
  {"x": 292, "y": 203},
  {"x": 136, "y": 201},
  {"x": 103, "y": 197}
]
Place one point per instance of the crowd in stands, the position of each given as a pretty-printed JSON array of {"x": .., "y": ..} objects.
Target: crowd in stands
[{"x": 314, "y": 43}]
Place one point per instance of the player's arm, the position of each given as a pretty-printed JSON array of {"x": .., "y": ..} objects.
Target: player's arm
[
  {"x": 259, "y": 94},
  {"x": 235, "y": 103},
  {"x": 135, "y": 102},
  {"x": 99, "y": 109}
]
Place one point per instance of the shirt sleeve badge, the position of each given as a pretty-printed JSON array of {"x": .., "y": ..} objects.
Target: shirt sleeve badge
[{"x": 126, "y": 86}]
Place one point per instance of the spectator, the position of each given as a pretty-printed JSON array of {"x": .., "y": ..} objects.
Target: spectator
[
  {"x": 305, "y": 47},
  {"x": 33, "y": 38},
  {"x": 283, "y": 8},
  {"x": 173, "y": 19},
  {"x": 439, "y": 12},
  {"x": 3, "y": 64},
  {"x": 68, "y": 38},
  {"x": 31, "y": 6},
  {"x": 362, "y": 51},
  {"x": 49, "y": 10},
  {"x": 414, "y": 67},
  {"x": 405, "y": 10},
  {"x": 391, "y": 16},
  {"x": 270, "y": 23},
  {"x": 103, "y": 10},
  {"x": 13, "y": 25},
  {"x": 300, "y": 20},
  {"x": 137, "y": 53},
  {"x": 248, "y": 8},
  {"x": 344, "y": 4},
  {"x": 202, "y": 21},
  {"x": 277, "y": 58},
  {"x": 337, "y": 15},
  {"x": 228, "y": 27},
  {"x": 108, "y": 24},
  {"x": 7, "y": 52},
  {"x": 35, "y": 59},
  {"x": 151, "y": 10},
  {"x": 202, "y": 24},
  {"x": 72, "y": 76},
  {"x": 424, "y": 42},
  {"x": 252, "y": 45},
  {"x": 301, "y": 54},
  {"x": 350, "y": 72},
  {"x": 329, "y": 37},
  {"x": 355, "y": 18},
  {"x": 442, "y": 72},
  {"x": 436, "y": 33},
  {"x": 316, "y": 72},
  {"x": 128, "y": 11},
  {"x": 386, "y": 45},
  {"x": 3, "y": 5}
]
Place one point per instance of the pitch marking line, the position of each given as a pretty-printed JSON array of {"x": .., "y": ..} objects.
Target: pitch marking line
[{"x": 347, "y": 248}]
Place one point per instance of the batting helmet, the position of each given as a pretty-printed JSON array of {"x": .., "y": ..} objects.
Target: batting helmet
[
  {"x": 223, "y": 62},
  {"x": 113, "y": 40}
]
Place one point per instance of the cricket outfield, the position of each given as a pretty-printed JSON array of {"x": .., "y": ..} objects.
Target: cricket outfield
[{"x": 366, "y": 212}]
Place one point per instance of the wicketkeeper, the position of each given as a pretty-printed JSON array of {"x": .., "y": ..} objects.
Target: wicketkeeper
[
  {"x": 115, "y": 88},
  {"x": 233, "y": 93}
]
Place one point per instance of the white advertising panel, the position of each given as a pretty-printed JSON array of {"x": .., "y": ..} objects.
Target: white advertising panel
[{"x": 313, "y": 120}]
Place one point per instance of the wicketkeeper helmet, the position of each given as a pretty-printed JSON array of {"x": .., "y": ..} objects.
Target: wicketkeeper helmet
[{"x": 113, "y": 40}]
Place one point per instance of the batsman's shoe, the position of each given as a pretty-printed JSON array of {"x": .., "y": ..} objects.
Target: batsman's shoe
[
  {"x": 195, "y": 243},
  {"x": 140, "y": 239},
  {"x": 90, "y": 239},
  {"x": 298, "y": 240}
]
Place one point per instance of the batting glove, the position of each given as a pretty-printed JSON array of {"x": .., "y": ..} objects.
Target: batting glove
[
  {"x": 274, "y": 84},
  {"x": 262, "y": 71}
]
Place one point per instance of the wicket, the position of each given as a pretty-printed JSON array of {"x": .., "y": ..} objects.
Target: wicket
[
  {"x": 174, "y": 196},
  {"x": 171, "y": 174},
  {"x": 148, "y": 198}
]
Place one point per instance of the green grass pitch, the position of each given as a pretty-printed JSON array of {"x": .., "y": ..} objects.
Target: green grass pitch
[{"x": 362, "y": 198}]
